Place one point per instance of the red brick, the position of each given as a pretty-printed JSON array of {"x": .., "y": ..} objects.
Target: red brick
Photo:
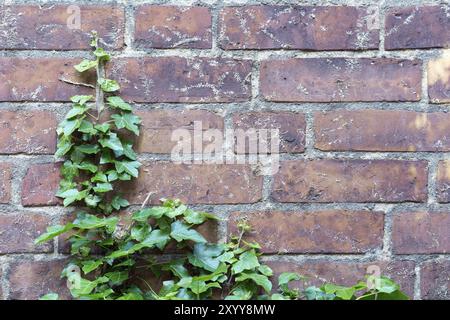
[
  {"x": 421, "y": 232},
  {"x": 176, "y": 79},
  {"x": 19, "y": 230},
  {"x": 159, "y": 125},
  {"x": 291, "y": 126},
  {"x": 37, "y": 79},
  {"x": 31, "y": 132},
  {"x": 351, "y": 181},
  {"x": 347, "y": 273},
  {"x": 340, "y": 80},
  {"x": 30, "y": 280},
  {"x": 443, "y": 181},
  {"x": 417, "y": 27},
  {"x": 313, "y": 232},
  {"x": 439, "y": 78},
  {"x": 205, "y": 183},
  {"x": 40, "y": 185},
  {"x": 5, "y": 182},
  {"x": 382, "y": 130},
  {"x": 173, "y": 27},
  {"x": 296, "y": 27},
  {"x": 33, "y": 27},
  {"x": 435, "y": 280}
]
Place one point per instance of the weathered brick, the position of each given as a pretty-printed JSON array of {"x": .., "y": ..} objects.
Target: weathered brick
[
  {"x": 382, "y": 130},
  {"x": 31, "y": 132},
  {"x": 40, "y": 185},
  {"x": 351, "y": 181},
  {"x": 417, "y": 27},
  {"x": 291, "y": 126},
  {"x": 435, "y": 280},
  {"x": 314, "y": 232},
  {"x": 348, "y": 273},
  {"x": 340, "y": 79},
  {"x": 176, "y": 79},
  {"x": 33, "y": 27},
  {"x": 209, "y": 184},
  {"x": 37, "y": 79},
  {"x": 159, "y": 125},
  {"x": 439, "y": 78},
  {"x": 443, "y": 181},
  {"x": 297, "y": 27},
  {"x": 421, "y": 232},
  {"x": 2, "y": 296},
  {"x": 173, "y": 27},
  {"x": 29, "y": 280},
  {"x": 5, "y": 182},
  {"x": 19, "y": 230}
]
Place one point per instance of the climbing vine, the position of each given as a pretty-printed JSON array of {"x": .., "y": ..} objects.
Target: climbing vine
[{"x": 112, "y": 255}]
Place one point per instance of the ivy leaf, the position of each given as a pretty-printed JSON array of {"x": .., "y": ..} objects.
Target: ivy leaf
[
  {"x": 102, "y": 54},
  {"x": 112, "y": 142},
  {"x": 247, "y": 261},
  {"x": 103, "y": 187},
  {"x": 53, "y": 231},
  {"x": 259, "y": 279},
  {"x": 147, "y": 213},
  {"x": 130, "y": 167},
  {"x": 286, "y": 277},
  {"x": 104, "y": 127},
  {"x": 88, "y": 148},
  {"x": 158, "y": 238},
  {"x": 117, "y": 277},
  {"x": 265, "y": 270},
  {"x": 118, "y": 202},
  {"x": 50, "y": 296},
  {"x": 108, "y": 85},
  {"x": 85, "y": 65},
  {"x": 69, "y": 126},
  {"x": 75, "y": 111},
  {"x": 128, "y": 151},
  {"x": 99, "y": 177},
  {"x": 117, "y": 102},
  {"x": 131, "y": 296},
  {"x": 71, "y": 196},
  {"x": 128, "y": 121},
  {"x": 194, "y": 217},
  {"x": 89, "y": 221},
  {"x": 139, "y": 232},
  {"x": 87, "y": 127},
  {"x": 181, "y": 231},
  {"x": 81, "y": 99},
  {"x": 64, "y": 145},
  {"x": 92, "y": 200},
  {"x": 90, "y": 265},
  {"x": 206, "y": 255},
  {"x": 87, "y": 166}
]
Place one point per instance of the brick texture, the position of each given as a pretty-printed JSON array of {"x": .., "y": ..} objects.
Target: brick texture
[
  {"x": 439, "y": 78},
  {"x": 339, "y": 80},
  {"x": 443, "y": 181},
  {"x": 19, "y": 231},
  {"x": 40, "y": 184},
  {"x": 173, "y": 27},
  {"x": 27, "y": 132},
  {"x": 5, "y": 182},
  {"x": 421, "y": 232},
  {"x": 299, "y": 232},
  {"x": 435, "y": 280},
  {"x": 294, "y": 27},
  {"x": 350, "y": 181},
  {"x": 291, "y": 126},
  {"x": 417, "y": 27},
  {"x": 208, "y": 184},
  {"x": 382, "y": 130}
]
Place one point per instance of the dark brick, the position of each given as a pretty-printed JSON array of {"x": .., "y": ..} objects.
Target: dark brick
[
  {"x": 340, "y": 80},
  {"x": 351, "y": 181}
]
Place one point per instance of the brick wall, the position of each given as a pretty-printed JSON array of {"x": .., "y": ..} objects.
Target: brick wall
[{"x": 360, "y": 93}]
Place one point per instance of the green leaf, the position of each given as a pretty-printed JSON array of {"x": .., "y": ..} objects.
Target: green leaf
[
  {"x": 118, "y": 103},
  {"x": 104, "y": 127},
  {"x": 52, "y": 232},
  {"x": 88, "y": 148},
  {"x": 50, "y": 296},
  {"x": 128, "y": 151},
  {"x": 92, "y": 200},
  {"x": 286, "y": 277},
  {"x": 206, "y": 256},
  {"x": 81, "y": 99},
  {"x": 102, "y": 54},
  {"x": 87, "y": 166},
  {"x": 112, "y": 142},
  {"x": 265, "y": 270},
  {"x": 131, "y": 296},
  {"x": 259, "y": 279},
  {"x": 139, "y": 232},
  {"x": 89, "y": 221},
  {"x": 181, "y": 231},
  {"x": 118, "y": 202},
  {"x": 64, "y": 146},
  {"x": 157, "y": 237},
  {"x": 71, "y": 196},
  {"x": 90, "y": 265},
  {"x": 99, "y": 177},
  {"x": 69, "y": 126},
  {"x": 128, "y": 121},
  {"x": 103, "y": 187},
  {"x": 117, "y": 277},
  {"x": 247, "y": 261},
  {"x": 195, "y": 217},
  {"x": 108, "y": 85},
  {"x": 76, "y": 111},
  {"x": 87, "y": 127},
  {"x": 147, "y": 213},
  {"x": 85, "y": 65},
  {"x": 130, "y": 167}
]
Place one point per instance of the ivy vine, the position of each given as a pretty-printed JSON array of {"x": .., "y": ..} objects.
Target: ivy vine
[{"x": 109, "y": 253}]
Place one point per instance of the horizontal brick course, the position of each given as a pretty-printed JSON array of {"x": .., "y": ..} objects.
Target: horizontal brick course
[
  {"x": 173, "y": 27},
  {"x": 296, "y": 27},
  {"x": 382, "y": 130},
  {"x": 340, "y": 80},
  {"x": 313, "y": 232},
  {"x": 350, "y": 181}
]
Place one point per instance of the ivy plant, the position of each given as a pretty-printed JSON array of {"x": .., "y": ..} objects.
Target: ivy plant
[{"x": 111, "y": 254}]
